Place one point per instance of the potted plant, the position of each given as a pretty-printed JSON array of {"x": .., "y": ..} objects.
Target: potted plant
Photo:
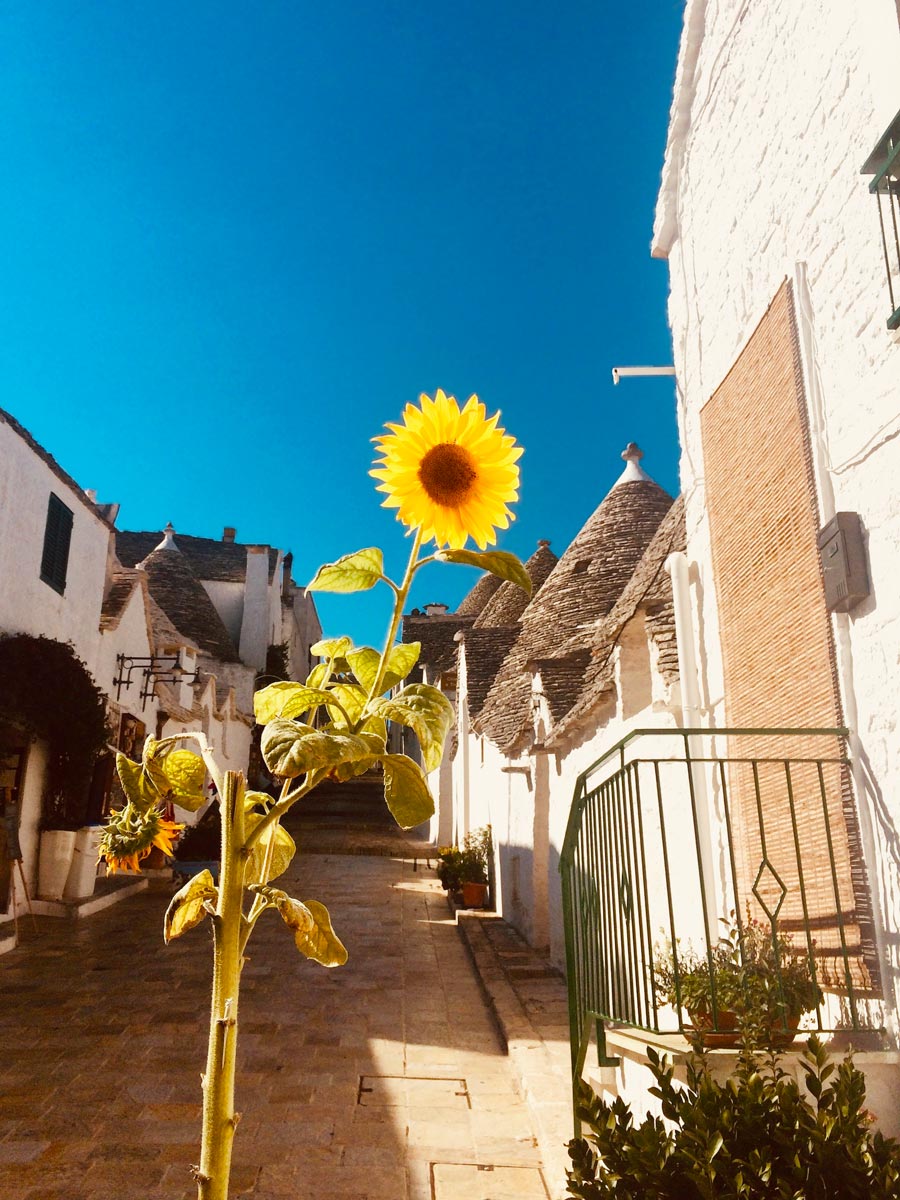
[
  {"x": 449, "y": 868},
  {"x": 464, "y": 871},
  {"x": 474, "y": 861},
  {"x": 753, "y": 984}
]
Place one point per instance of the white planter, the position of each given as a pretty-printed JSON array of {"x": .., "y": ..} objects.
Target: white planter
[
  {"x": 55, "y": 861},
  {"x": 83, "y": 871}
]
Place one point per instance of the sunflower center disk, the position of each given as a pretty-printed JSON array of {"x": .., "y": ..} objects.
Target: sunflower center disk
[{"x": 447, "y": 473}]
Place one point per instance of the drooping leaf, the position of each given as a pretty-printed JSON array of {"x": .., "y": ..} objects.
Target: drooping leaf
[
  {"x": 185, "y": 773},
  {"x": 189, "y": 906},
  {"x": 290, "y": 749},
  {"x": 499, "y": 562},
  {"x": 331, "y": 647},
  {"x": 137, "y": 784},
  {"x": 427, "y": 712},
  {"x": 314, "y": 936},
  {"x": 355, "y": 572},
  {"x": 349, "y": 770},
  {"x": 283, "y": 852},
  {"x": 257, "y": 801},
  {"x": 288, "y": 700},
  {"x": 406, "y": 791}
]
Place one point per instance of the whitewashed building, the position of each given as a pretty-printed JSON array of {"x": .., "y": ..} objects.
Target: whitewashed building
[{"x": 164, "y": 640}]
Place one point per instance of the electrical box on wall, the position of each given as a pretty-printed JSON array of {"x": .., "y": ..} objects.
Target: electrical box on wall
[{"x": 842, "y": 550}]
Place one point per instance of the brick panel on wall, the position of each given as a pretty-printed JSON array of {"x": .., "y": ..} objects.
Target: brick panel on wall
[{"x": 778, "y": 651}]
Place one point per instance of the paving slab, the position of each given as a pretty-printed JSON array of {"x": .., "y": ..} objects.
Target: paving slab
[{"x": 104, "y": 1034}]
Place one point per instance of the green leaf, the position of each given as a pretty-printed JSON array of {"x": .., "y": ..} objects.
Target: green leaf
[
  {"x": 427, "y": 712},
  {"x": 351, "y": 698},
  {"x": 286, "y": 700},
  {"x": 317, "y": 676},
  {"x": 499, "y": 562},
  {"x": 190, "y": 905},
  {"x": 355, "y": 572},
  {"x": 283, "y": 852},
  {"x": 314, "y": 936},
  {"x": 254, "y": 801},
  {"x": 185, "y": 773},
  {"x": 401, "y": 660},
  {"x": 405, "y": 791},
  {"x": 365, "y": 661},
  {"x": 331, "y": 647},
  {"x": 290, "y": 749}
]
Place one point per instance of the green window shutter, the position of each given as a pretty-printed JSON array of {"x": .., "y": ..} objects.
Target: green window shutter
[{"x": 57, "y": 536}]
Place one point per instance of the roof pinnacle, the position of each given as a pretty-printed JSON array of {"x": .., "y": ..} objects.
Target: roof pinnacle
[{"x": 634, "y": 472}]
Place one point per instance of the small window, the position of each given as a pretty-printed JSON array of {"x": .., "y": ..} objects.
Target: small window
[
  {"x": 884, "y": 164},
  {"x": 57, "y": 536}
]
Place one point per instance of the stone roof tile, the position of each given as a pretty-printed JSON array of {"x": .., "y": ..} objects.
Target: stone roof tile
[
  {"x": 649, "y": 590},
  {"x": 182, "y": 597},
  {"x": 224, "y": 562},
  {"x": 122, "y": 584},
  {"x": 582, "y": 587},
  {"x": 485, "y": 650},
  {"x": 509, "y": 601},
  {"x": 475, "y": 600}
]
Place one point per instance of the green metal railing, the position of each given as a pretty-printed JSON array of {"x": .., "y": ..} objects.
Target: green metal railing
[{"x": 673, "y": 831}]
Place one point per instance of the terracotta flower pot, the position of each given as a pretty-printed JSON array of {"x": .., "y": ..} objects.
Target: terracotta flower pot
[
  {"x": 474, "y": 895},
  {"x": 728, "y": 1035}
]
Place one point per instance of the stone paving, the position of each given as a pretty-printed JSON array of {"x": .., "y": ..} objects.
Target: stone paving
[{"x": 381, "y": 1080}]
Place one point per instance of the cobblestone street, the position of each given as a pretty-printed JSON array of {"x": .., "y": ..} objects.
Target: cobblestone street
[{"x": 385, "y": 1079}]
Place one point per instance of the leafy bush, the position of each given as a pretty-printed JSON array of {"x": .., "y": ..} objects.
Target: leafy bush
[{"x": 756, "y": 1135}]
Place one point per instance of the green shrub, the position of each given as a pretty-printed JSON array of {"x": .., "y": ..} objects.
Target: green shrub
[{"x": 756, "y": 1135}]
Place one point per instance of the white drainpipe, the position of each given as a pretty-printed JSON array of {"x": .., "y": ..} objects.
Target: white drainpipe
[{"x": 692, "y": 718}]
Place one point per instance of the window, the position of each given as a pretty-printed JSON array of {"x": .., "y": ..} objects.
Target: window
[
  {"x": 57, "y": 535},
  {"x": 884, "y": 164}
]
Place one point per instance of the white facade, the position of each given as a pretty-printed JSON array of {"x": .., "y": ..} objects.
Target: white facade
[
  {"x": 104, "y": 611},
  {"x": 27, "y": 603},
  {"x": 776, "y": 108}
]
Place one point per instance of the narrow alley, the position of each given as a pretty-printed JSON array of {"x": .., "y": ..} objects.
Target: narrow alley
[{"x": 387, "y": 1079}]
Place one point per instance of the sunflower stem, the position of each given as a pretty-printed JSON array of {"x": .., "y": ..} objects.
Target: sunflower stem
[
  {"x": 218, "y": 1083},
  {"x": 399, "y": 601}
]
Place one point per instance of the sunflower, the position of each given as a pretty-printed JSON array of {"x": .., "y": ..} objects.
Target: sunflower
[
  {"x": 449, "y": 472},
  {"x": 130, "y": 836}
]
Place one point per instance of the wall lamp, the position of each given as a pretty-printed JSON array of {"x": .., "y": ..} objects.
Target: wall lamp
[{"x": 154, "y": 669}]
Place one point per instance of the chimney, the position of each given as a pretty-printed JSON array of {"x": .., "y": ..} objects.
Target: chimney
[
  {"x": 435, "y": 610},
  {"x": 229, "y": 533}
]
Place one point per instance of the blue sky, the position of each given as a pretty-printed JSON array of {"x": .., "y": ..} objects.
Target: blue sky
[{"x": 238, "y": 238}]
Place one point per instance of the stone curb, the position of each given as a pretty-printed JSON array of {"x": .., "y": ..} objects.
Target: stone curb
[{"x": 545, "y": 1088}]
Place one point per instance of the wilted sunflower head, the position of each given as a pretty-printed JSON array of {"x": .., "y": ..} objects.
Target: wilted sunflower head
[
  {"x": 448, "y": 471},
  {"x": 130, "y": 835}
]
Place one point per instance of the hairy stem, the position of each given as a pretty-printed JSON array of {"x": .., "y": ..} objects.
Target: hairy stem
[
  {"x": 400, "y": 600},
  {"x": 218, "y": 1083}
]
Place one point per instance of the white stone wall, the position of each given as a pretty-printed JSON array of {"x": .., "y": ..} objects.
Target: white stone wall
[
  {"x": 27, "y": 604},
  {"x": 777, "y": 107},
  {"x": 228, "y": 601}
]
